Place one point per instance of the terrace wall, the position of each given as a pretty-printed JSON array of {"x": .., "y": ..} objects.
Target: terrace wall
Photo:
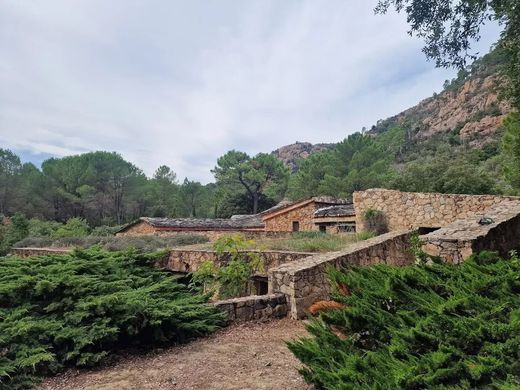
[
  {"x": 305, "y": 281},
  {"x": 409, "y": 210},
  {"x": 254, "y": 307},
  {"x": 457, "y": 241},
  {"x": 180, "y": 260}
]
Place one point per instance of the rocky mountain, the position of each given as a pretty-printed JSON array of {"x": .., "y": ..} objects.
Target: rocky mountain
[
  {"x": 290, "y": 154},
  {"x": 468, "y": 107}
]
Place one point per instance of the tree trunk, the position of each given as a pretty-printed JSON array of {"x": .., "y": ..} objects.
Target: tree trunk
[{"x": 255, "y": 202}]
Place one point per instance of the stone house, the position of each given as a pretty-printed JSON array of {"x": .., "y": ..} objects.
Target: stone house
[
  {"x": 323, "y": 213},
  {"x": 212, "y": 228}
]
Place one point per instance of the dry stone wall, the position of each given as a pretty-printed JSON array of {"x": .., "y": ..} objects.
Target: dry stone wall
[
  {"x": 254, "y": 307},
  {"x": 284, "y": 222},
  {"x": 457, "y": 241},
  {"x": 179, "y": 260},
  {"x": 29, "y": 252},
  {"x": 305, "y": 281},
  {"x": 408, "y": 210}
]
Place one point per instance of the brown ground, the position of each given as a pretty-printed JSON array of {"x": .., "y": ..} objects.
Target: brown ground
[{"x": 248, "y": 356}]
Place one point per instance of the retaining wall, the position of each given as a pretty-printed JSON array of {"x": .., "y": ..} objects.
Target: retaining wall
[
  {"x": 180, "y": 260},
  {"x": 305, "y": 281},
  {"x": 254, "y": 307},
  {"x": 457, "y": 241},
  {"x": 409, "y": 210}
]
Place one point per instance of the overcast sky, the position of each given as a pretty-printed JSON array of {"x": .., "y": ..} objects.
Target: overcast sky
[{"x": 182, "y": 82}]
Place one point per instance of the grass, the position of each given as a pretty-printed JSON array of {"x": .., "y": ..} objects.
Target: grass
[
  {"x": 114, "y": 243},
  {"x": 312, "y": 242}
]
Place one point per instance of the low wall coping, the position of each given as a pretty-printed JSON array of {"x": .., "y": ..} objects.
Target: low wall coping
[
  {"x": 469, "y": 229},
  {"x": 317, "y": 259}
]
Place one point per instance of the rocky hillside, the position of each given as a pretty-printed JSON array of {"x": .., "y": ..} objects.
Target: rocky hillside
[
  {"x": 290, "y": 154},
  {"x": 468, "y": 106}
]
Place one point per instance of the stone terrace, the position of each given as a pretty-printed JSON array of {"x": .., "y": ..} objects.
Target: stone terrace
[
  {"x": 459, "y": 240},
  {"x": 305, "y": 281}
]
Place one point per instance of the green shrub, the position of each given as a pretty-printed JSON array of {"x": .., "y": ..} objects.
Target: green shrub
[
  {"x": 427, "y": 326},
  {"x": 104, "y": 231},
  {"x": 39, "y": 228},
  {"x": 232, "y": 279},
  {"x": 375, "y": 221},
  {"x": 114, "y": 243},
  {"x": 15, "y": 230},
  {"x": 74, "y": 227},
  {"x": 75, "y": 310}
]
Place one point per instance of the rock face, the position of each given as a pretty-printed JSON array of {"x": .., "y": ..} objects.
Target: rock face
[
  {"x": 471, "y": 110},
  {"x": 290, "y": 154}
]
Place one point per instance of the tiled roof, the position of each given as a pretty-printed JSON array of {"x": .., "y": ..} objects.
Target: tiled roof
[
  {"x": 285, "y": 204},
  {"x": 346, "y": 210},
  {"x": 237, "y": 223}
]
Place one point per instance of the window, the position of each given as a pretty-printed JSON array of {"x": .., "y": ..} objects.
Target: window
[
  {"x": 296, "y": 226},
  {"x": 347, "y": 227},
  {"x": 323, "y": 228}
]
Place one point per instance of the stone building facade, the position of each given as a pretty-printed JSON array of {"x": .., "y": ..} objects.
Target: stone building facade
[
  {"x": 305, "y": 215},
  {"x": 415, "y": 210}
]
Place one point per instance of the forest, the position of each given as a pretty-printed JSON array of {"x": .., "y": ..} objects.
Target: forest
[{"x": 102, "y": 188}]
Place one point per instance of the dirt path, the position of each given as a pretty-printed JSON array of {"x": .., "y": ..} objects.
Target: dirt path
[{"x": 249, "y": 356}]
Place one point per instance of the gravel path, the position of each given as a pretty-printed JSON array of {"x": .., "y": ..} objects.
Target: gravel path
[{"x": 247, "y": 356}]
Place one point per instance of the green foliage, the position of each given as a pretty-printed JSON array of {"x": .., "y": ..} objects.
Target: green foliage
[
  {"x": 15, "y": 230},
  {"x": 262, "y": 175},
  {"x": 116, "y": 243},
  {"x": 358, "y": 162},
  {"x": 74, "y": 227},
  {"x": 375, "y": 221},
  {"x": 427, "y": 326},
  {"x": 232, "y": 277},
  {"x": 318, "y": 241},
  {"x": 75, "y": 310}
]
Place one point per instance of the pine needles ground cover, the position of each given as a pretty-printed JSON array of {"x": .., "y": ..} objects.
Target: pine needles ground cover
[
  {"x": 436, "y": 326},
  {"x": 75, "y": 310}
]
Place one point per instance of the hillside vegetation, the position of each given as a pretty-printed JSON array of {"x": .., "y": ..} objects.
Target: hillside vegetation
[{"x": 75, "y": 310}]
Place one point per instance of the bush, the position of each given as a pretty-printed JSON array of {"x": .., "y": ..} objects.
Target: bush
[
  {"x": 75, "y": 310},
  {"x": 375, "y": 221},
  {"x": 419, "y": 327},
  {"x": 113, "y": 243},
  {"x": 74, "y": 227},
  {"x": 233, "y": 278}
]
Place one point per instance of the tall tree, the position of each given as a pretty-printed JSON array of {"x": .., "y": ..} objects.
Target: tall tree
[
  {"x": 260, "y": 175},
  {"x": 10, "y": 167}
]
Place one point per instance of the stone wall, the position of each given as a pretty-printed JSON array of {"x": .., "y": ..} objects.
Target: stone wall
[
  {"x": 305, "y": 281},
  {"x": 180, "y": 260},
  {"x": 408, "y": 210},
  {"x": 142, "y": 229},
  {"x": 283, "y": 222},
  {"x": 28, "y": 252},
  {"x": 254, "y": 307},
  {"x": 457, "y": 241}
]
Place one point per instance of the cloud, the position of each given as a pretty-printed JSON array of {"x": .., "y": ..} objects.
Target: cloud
[{"x": 180, "y": 83}]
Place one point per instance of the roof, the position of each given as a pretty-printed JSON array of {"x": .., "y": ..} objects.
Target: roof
[
  {"x": 286, "y": 206},
  {"x": 242, "y": 222},
  {"x": 346, "y": 210}
]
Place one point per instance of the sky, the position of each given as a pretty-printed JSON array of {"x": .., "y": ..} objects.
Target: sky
[{"x": 182, "y": 82}]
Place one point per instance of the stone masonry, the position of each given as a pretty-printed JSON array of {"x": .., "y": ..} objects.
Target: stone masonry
[
  {"x": 305, "y": 281},
  {"x": 283, "y": 222},
  {"x": 409, "y": 210},
  {"x": 180, "y": 260},
  {"x": 254, "y": 307},
  {"x": 457, "y": 241}
]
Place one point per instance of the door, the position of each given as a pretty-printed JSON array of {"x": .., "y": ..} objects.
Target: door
[{"x": 296, "y": 226}]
